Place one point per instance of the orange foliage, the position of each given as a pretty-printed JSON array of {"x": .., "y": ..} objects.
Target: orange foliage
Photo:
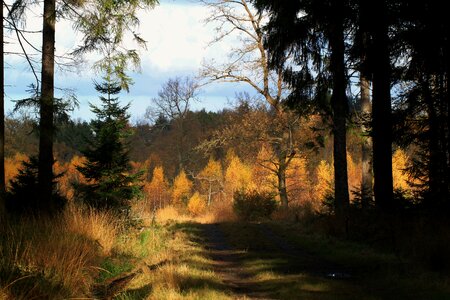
[
  {"x": 399, "y": 165},
  {"x": 70, "y": 176},
  {"x": 325, "y": 180},
  {"x": 157, "y": 191},
  {"x": 182, "y": 188},
  {"x": 263, "y": 177},
  {"x": 237, "y": 176},
  {"x": 211, "y": 179},
  {"x": 12, "y": 166},
  {"x": 213, "y": 170},
  {"x": 197, "y": 204},
  {"x": 298, "y": 182}
]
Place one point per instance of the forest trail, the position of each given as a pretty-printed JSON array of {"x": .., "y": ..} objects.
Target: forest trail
[
  {"x": 261, "y": 268},
  {"x": 228, "y": 264}
]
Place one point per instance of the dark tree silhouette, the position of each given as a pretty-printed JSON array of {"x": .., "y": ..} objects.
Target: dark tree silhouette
[{"x": 110, "y": 186}]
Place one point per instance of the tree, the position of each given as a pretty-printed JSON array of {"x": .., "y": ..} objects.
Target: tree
[
  {"x": 211, "y": 179},
  {"x": 423, "y": 109},
  {"x": 249, "y": 64},
  {"x": 238, "y": 176},
  {"x": 46, "y": 107},
  {"x": 196, "y": 204},
  {"x": 157, "y": 190},
  {"x": 375, "y": 18},
  {"x": 309, "y": 31},
  {"x": 107, "y": 167},
  {"x": 325, "y": 181},
  {"x": 399, "y": 167},
  {"x": 265, "y": 171},
  {"x": 182, "y": 188},
  {"x": 299, "y": 183},
  {"x": 2, "y": 118},
  {"x": 104, "y": 24},
  {"x": 173, "y": 102},
  {"x": 366, "y": 145}
]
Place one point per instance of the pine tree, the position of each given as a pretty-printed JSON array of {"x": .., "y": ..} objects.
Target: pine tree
[{"x": 107, "y": 167}]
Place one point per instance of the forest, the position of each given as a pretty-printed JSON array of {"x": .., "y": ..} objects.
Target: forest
[{"x": 328, "y": 180}]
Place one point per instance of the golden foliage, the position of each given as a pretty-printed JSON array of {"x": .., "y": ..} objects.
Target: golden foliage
[
  {"x": 399, "y": 165},
  {"x": 212, "y": 171},
  {"x": 12, "y": 166},
  {"x": 70, "y": 176},
  {"x": 182, "y": 188},
  {"x": 298, "y": 182},
  {"x": 325, "y": 180},
  {"x": 157, "y": 190},
  {"x": 197, "y": 204},
  {"x": 237, "y": 176},
  {"x": 211, "y": 179},
  {"x": 263, "y": 173}
]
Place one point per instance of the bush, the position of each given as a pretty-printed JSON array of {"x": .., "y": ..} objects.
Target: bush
[{"x": 254, "y": 205}]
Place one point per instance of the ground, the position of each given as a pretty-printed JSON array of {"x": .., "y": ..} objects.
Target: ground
[{"x": 274, "y": 261}]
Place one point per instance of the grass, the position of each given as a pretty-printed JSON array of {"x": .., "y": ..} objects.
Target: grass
[
  {"x": 70, "y": 255},
  {"x": 53, "y": 258}
]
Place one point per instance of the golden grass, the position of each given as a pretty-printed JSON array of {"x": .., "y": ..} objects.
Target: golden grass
[
  {"x": 54, "y": 258},
  {"x": 101, "y": 227}
]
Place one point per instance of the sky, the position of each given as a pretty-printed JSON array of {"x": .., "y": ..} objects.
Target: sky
[{"x": 177, "y": 43}]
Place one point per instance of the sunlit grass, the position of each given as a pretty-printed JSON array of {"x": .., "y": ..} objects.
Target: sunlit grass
[{"x": 54, "y": 258}]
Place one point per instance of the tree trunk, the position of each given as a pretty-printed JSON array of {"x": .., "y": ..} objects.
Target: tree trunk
[
  {"x": 281, "y": 176},
  {"x": 435, "y": 163},
  {"x": 339, "y": 105},
  {"x": 2, "y": 119},
  {"x": 381, "y": 107},
  {"x": 45, "y": 172},
  {"x": 366, "y": 147}
]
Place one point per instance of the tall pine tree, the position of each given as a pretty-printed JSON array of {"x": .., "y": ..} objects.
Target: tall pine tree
[{"x": 110, "y": 185}]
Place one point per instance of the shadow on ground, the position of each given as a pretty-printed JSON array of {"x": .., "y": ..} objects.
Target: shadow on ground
[{"x": 254, "y": 263}]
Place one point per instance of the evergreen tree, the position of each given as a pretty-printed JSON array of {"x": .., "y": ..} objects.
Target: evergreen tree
[
  {"x": 21, "y": 196},
  {"x": 110, "y": 186}
]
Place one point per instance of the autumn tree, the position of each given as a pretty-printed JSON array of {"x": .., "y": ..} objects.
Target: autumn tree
[
  {"x": 157, "y": 190},
  {"x": 298, "y": 182},
  {"x": 400, "y": 164},
  {"x": 196, "y": 204},
  {"x": 211, "y": 179},
  {"x": 248, "y": 63},
  {"x": 182, "y": 188},
  {"x": 325, "y": 181},
  {"x": 238, "y": 176},
  {"x": 264, "y": 171}
]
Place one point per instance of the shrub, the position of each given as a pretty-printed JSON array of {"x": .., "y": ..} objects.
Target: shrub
[{"x": 254, "y": 205}]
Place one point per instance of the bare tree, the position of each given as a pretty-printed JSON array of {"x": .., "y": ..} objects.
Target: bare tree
[
  {"x": 174, "y": 98},
  {"x": 248, "y": 63},
  {"x": 173, "y": 103}
]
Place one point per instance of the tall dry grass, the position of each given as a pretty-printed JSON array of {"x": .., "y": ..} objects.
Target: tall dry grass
[{"x": 54, "y": 258}]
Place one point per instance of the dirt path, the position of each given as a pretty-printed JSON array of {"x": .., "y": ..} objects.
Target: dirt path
[
  {"x": 228, "y": 264},
  {"x": 236, "y": 264}
]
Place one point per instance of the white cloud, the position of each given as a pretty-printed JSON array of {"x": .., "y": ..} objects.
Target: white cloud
[{"x": 177, "y": 41}]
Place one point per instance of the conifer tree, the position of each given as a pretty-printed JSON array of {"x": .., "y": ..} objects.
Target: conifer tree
[{"x": 109, "y": 184}]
